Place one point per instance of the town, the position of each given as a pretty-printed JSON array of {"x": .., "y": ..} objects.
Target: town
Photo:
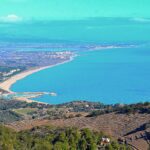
[{"x": 13, "y": 62}]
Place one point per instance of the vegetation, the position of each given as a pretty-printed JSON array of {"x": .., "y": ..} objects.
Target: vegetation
[
  {"x": 12, "y": 110},
  {"x": 25, "y": 111},
  {"x": 123, "y": 109},
  {"x": 82, "y": 106},
  {"x": 135, "y": 108},
  {"x": 48, "y": 138},
  {"x": 9, "y": 116}
]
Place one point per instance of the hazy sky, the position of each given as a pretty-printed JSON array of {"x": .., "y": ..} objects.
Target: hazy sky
[{"x": 16, "y": 10}]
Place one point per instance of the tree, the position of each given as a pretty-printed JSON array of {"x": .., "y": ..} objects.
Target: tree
[
  {"x": 61, "y": 146},
  {"x": 92, "y": 146},
  {"x": 43, "y": 146},
  {"x": 82, "y": 144},
  {"x": 122, "y": 147},
  {"x": 115, "y": 145},
  {"x": 109, "y": 147},
  {"x": 62, "y": 137},
  {"x": 58, "y": 146},
  {"x": 72, "y": 142}
]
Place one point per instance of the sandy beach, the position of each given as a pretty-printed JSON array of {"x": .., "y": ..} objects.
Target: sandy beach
[{"x": 6, "y": 85}]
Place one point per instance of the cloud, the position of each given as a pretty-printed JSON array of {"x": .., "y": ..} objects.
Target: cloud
[
  {"x": 142, "y": 20},
  {"x": 17, "y": 1},
  {"x": 11, "y": 18}
]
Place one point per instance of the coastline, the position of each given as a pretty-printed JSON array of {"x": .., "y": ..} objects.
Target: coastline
[{"x": 6, "y": 85}]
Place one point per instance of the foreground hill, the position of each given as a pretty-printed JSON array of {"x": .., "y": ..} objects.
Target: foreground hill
[
  {"x": 134, "y": 129},
  {"x": 48, "y": 138},
  {"x": 129, "y": 124}
]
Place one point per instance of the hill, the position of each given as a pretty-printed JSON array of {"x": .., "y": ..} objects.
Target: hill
[
  {"x": 48, "y": 138},
  {"x": 129, "y": 124}
]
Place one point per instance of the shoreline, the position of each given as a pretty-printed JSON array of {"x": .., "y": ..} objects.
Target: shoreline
[{"x": 6, "y": 85}]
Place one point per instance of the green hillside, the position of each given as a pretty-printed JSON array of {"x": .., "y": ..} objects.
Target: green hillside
[{"x": 48, "y": 138}]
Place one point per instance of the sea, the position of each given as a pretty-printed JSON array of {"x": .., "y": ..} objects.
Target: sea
[{"x": 114, "y": 75}]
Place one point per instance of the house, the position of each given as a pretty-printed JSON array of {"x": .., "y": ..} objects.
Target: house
[{"x": 104, "y": 141}]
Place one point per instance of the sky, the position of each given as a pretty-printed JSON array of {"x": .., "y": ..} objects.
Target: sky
[{"x": 22, "y": 10}]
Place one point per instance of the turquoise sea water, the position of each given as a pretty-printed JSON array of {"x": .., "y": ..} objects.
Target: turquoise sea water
[{"x": 109, "y": 76}]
